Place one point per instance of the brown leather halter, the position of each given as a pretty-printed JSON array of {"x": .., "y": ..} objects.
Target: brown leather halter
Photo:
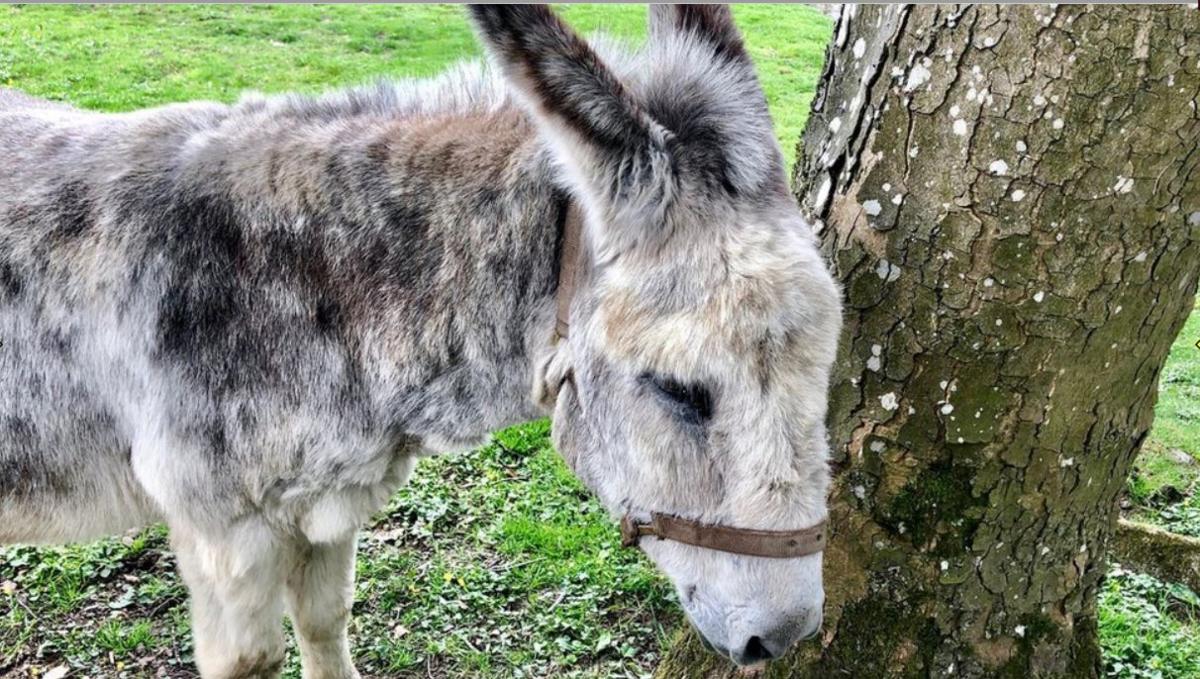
[{"x": 779, "y": 544}]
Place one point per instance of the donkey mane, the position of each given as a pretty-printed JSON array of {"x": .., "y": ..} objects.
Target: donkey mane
[
  {"x": 712, "y": 108},
  {"x": 468, "y": 87}
]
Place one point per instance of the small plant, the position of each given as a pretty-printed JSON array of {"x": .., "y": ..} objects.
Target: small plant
[
  {"x": 1148, "y": 628},
  {"x": 123, "y": 639}
]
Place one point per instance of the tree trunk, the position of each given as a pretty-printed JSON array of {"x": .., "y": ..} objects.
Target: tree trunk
[{"x": 1011, "y": 199}]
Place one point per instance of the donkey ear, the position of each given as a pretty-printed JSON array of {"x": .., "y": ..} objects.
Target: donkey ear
[
  {"x": 612, "y": 149},
  {"x": 711, "y": 23}
]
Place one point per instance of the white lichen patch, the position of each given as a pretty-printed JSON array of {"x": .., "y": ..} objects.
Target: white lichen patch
[
  {"x": 1039, "y": 296},
  {"x": 1123, "y": 185},
  {"x": 960, "y": 127},
  {"x": 889, "y": 401},
  {"x": 1017, "y": 196},
  {"x": 887, "y": 271},
  {"x": 860, "y": 48},
  {"x": 1057, "y": 124},
  {"x": 872, "y": 207},
  {"x": 1140, "y": 257},
  {"x": 947, "y": 408},
  {"x": 998, "y": 167},
  {"x": 835, "y": 125},
  {"x": 823, "y": 192},
  {"x": 843, "y": 30},
  {"x": 897, "y": 199},
  {"x": 1021, "y": 146},
  {"x": 877, "y": 446},
  {"x": 919, "y": 75}
]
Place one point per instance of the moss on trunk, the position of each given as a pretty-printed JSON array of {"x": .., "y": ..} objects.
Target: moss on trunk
[{"x": 1011, "y": 199}]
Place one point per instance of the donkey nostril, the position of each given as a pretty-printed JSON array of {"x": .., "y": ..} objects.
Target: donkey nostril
[{"x": 756, "y": 651}]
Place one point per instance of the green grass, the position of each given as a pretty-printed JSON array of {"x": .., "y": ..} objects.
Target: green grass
[
  {"x": 1177, "y": 416},
  {"x": 1165, "y": 486},
  {"x": 1148, "y": 628},
  {"x": 495, "y": 563},
  {"x": 499, "y": 563}
]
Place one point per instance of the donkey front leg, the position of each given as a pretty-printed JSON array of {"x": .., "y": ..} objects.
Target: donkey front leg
[
  {"x": 236, "y": 587},
  {"x": 320, "y": 593}
]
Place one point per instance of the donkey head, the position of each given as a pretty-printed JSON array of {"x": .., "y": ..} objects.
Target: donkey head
[{"x": 693, "y": 381}]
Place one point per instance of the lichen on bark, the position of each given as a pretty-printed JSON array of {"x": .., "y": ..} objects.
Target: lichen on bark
[{"x": 1010, "y": 197}]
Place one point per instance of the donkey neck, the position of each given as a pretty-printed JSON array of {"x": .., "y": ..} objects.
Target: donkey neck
[{"x": 461, "y": 297}]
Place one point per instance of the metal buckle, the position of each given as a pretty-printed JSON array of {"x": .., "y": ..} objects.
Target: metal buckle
[{"x": 629, "y": 531}]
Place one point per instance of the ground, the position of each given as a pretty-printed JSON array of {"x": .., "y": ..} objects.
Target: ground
[{"x": 496, "y": 563}]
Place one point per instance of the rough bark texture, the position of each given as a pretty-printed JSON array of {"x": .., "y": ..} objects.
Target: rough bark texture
[
  {"x": 1011, "y": 198},
  {"x": 1165, "y": 555}
]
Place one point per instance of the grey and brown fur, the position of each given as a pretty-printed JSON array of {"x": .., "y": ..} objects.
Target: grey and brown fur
[{"x": 249, "y": 321}]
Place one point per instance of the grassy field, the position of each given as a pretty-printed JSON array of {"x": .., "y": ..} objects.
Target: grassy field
[{"x": 495, "y": 563}]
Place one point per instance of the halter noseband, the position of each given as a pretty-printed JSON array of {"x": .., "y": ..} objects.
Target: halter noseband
[{"x": 779, "y": 544}]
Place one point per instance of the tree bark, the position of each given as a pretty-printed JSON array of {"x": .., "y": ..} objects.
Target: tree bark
[{"x": 1011, "y": 199}]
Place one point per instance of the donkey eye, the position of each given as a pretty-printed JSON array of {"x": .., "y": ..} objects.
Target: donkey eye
[{"x": 692, "y": 402}]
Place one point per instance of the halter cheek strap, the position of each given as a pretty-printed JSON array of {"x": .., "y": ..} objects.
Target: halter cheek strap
[
  {"x": 787, "y": 544},
  {"x": 781, "y": 544},
  {"x": 569, "y": 264}
]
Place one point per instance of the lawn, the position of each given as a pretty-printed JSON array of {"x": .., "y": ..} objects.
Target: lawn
[{"x": 495, "y": 563}]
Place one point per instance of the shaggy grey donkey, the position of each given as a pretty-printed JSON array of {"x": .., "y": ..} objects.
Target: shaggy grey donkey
[{"x": 250, "y": 321}]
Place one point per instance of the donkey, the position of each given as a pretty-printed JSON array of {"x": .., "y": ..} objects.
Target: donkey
[{"x": 251, "y": 321}]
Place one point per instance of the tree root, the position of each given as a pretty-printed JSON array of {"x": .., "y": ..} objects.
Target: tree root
[{"x": 1154, "y": 551}]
